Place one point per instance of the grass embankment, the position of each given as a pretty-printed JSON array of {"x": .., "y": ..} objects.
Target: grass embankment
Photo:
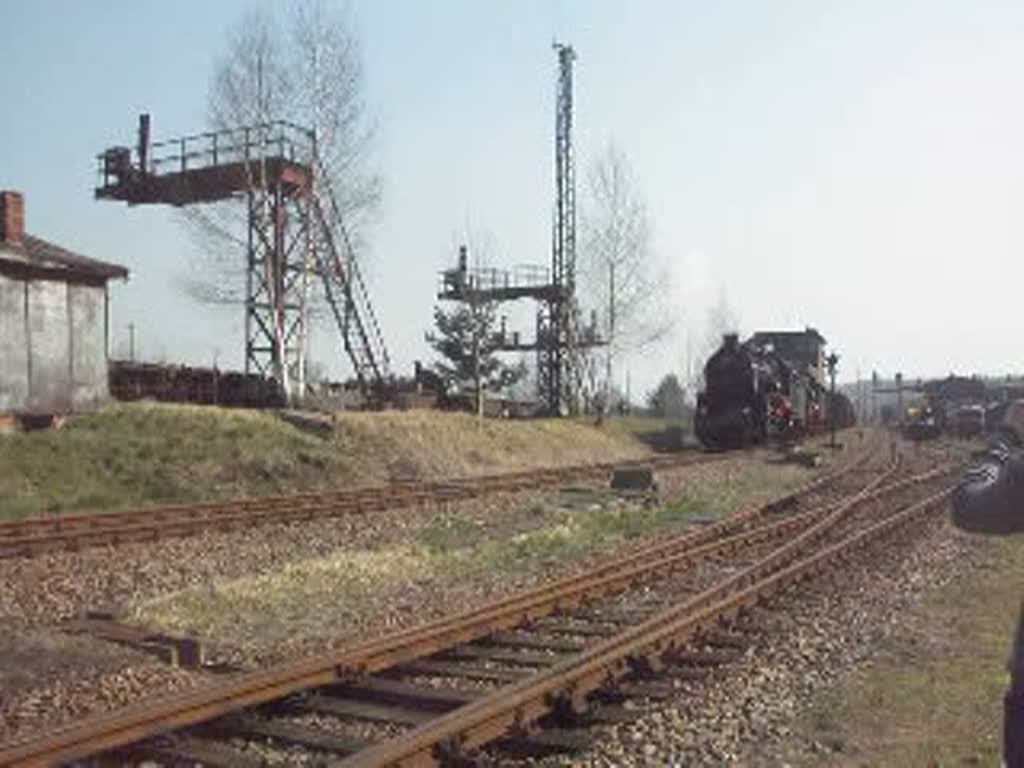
[
  {"x": 330, "y": 592},
  {"x": 133, "y": 454},
  {"x": 933, "y": 697}
]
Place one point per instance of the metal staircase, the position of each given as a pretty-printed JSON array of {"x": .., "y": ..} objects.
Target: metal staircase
[
  {"x": 295, "y": 231},
  {"x": 336, "y": 265}
]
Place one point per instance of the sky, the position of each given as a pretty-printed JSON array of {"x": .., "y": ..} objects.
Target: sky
[{"x": 854, "y": 166}]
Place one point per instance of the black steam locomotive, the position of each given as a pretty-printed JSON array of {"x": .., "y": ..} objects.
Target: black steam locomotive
[{"x": 753, "y": 394}]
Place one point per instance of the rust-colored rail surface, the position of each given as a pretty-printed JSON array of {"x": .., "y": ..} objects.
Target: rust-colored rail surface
[
  {"x": 468, "y": 642},
  {"x": 652, "y": 643},
  {"x": 32, "y": 536}
]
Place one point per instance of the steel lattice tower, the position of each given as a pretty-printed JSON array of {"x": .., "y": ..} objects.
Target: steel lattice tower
[
  {"x": 295, "y": 236},
  {"x": 560, "y": 335},
  {"x": 556, "y": 325}
]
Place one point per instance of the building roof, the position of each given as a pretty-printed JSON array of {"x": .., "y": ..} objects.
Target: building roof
[
  {"x": 37, "y": 252},
  {"x": 809, "y": 331}
]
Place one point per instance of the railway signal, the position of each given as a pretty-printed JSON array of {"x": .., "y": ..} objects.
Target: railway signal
[{"x": 832, "y": 361}]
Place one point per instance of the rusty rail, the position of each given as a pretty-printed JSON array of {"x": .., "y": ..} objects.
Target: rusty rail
[
  {"x": 126, "y": 727},
  {"x": 515, "y": 707},
  {"x": 42, "y": 534}
]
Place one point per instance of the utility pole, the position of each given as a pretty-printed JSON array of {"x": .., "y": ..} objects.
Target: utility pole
[{"x": 131, "y": 342}]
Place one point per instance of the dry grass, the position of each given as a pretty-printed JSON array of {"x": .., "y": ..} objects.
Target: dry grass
[
  {"x": 934, "y": 695},
  {"x": 431, "y": 444},
  {"x": 322, "y": 595},
  {"x": 144, "y": 453}
]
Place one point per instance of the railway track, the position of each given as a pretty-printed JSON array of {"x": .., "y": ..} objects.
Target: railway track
[
  {"x": 36, "y": 535},
  {"x": 439, "y": 691}
]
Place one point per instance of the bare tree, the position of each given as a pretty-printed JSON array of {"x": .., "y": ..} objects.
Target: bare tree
[
  {"x": 617, "y": 269},
  {"x": 307, "y": 71}
]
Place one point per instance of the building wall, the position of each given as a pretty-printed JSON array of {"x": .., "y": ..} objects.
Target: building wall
[
  {"x": 53, "y": 351},
  {"x": 49, "y": 387},
  {"x": 89, "y": 384},
  {"x": 13, "y": 346}
]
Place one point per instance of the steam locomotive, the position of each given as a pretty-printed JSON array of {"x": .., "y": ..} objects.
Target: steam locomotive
[{"x": 753, "y": 394}]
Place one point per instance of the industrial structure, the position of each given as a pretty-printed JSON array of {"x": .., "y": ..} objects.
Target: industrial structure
[
  {"x": 560, "y": 336},
  {"x": 54, "y": 321},
  {"x": 295, "y": 236}
]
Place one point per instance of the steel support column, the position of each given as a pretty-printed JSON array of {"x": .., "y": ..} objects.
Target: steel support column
[{"x": 277, "y": 280}]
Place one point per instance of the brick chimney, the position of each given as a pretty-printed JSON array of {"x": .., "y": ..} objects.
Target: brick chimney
[{"x": 12, "y": 219}]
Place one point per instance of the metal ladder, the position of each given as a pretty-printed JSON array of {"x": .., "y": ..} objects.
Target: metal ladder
[{"x": 345, "y": 291}]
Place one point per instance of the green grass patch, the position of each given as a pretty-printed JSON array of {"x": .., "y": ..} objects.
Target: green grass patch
[
  {"x": 446, "y": 552},
  {"x": 146, "y": 453},
  {"x": 933, "y": 697},
  {"x": 150, "y": 453}
]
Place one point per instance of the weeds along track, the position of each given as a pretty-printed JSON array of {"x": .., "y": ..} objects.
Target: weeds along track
[
  {"x": 437, "y": 692},
  {"x": 32, "y": 536}
]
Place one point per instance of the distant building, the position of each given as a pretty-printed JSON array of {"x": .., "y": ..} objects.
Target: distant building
[
  {"x": 54, "y": 321},
  {"x": 956, "y": 389},
  {"x": 803, "y": 349}
]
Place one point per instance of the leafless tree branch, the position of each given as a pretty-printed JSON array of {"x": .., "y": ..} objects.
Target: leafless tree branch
[
  {"x": 305, "y": 67},
  {"x": 618, "y": 271}
]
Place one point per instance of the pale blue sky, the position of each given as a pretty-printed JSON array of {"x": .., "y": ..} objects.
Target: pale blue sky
[{"x": 858, "y": 166}]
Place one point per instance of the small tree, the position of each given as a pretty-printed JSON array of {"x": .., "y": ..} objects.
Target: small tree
[
  {"x": 467, "y": 342},
  {"x": 618, "y": 269},
  {"x": 668, "y": 399}
]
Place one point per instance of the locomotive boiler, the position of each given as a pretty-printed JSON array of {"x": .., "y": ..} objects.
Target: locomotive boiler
[
  {"x": 753, "y": 393},
  {"x": 745, "y": 398}
]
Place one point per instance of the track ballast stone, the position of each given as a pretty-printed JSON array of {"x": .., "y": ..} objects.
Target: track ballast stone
[
  {"x": 747, "y": 711},
  {"x": 36, "y": 592}
]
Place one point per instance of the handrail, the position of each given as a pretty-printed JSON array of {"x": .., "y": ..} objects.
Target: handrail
[
  {"x": 359, "y": 297},
  {"x": 278, "y": 138},
  {"x": 280, "y": 141}
]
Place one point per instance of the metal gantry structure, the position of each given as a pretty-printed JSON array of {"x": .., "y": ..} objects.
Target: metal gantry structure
[
  {"x": 557, "y": 370},
  {"x": 295, "y": 235},
  {"x": 559, "y": 338}
]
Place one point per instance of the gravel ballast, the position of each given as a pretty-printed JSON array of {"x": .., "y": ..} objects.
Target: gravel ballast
[
  {"x": 748, "y": 712},
  {"x": 35, "y": 593}
]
